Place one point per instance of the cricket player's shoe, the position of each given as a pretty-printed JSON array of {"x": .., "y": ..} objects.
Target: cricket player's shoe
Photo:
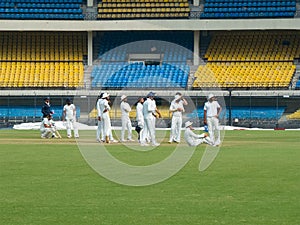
[
  {"x": 144, "y": 144},
  {"x": 113, "y": 141},
  {"x": 207, "y": 141},
  {"x": 156, "y": 144}
]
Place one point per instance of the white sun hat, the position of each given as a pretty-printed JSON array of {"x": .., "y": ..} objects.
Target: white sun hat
[
  {"x": 123, "y": 97},
  {"x": 188, "y": 123},
  {"x": 105, "y": 95},
  {"x": 210, "y": 96}
]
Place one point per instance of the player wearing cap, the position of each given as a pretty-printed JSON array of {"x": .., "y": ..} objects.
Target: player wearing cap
[
  {"x": 46, "y": 108},
  {"x": 126, "y": 122},
  {"x": 212, "y": 110},
  {"x": 193, "y": 139},
  {"x": 176, "y": 108},
  {"x": 69, "y": 115},
  {"x": 150, "y": 113}
]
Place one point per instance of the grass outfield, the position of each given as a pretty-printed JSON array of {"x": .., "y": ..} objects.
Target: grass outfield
[{"x": 255, "y": 180}]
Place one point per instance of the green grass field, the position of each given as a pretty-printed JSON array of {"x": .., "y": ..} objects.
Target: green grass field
[{"x": 255, "y": 180}]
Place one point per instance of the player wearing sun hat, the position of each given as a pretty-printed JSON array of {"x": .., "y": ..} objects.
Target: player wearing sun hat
[
  {"x": 126, "y": 122},
  {"x": 106, "y": 123},
  {"x": 193, "y": 139}
]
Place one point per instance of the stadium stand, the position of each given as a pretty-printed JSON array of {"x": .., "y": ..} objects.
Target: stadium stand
[
  {"x": 243, "y": 9},
  {"x": 42, "y": 59},
  {"x": 138, "y": 75},
  {"x": 294, "y": 116},
  {"x": 247, "y": 113},
  {"x": 169, "y": 70},
  {"x": 41, "y": 9},
  {"x": 25, "y": 112},
  {"x": 250, "y": 59},
  {"x": 145, "y": 9}
]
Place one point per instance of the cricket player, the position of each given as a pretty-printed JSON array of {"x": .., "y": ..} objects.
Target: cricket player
[
  {"x": 176, "y": 108},
  {"x": 47, "y": 127},
  {"x": 69, "y": 115},
  {"x": 193, "y": 139},
  {"x": 212, "y": 110},
  {"x": 126, "y": 122},
  {"x": 46, "y": 108},
  {"x": 105, "y": 108},
  {"x": 140, "y": 118},
  {"x": 99, "y": 134},
  {"x": 150, "y": 112}
]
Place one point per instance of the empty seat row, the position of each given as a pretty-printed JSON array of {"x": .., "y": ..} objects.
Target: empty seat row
[
  {"x": 140, "y": 15},
  {"x": 41, "y": 16},
  {"x": 47, "y": 5},
  {"x": 40, "y": 10},
  {"x": 143, "y": 9},
  {"x": 247, "y": 15},
  {"x": 150, "y": 1},
  {"x": 43, "y": 1},
  {"x": 250, "y": 9},
  {"x": 140, "y": 10},
  {"x": 250, "y": 4}
]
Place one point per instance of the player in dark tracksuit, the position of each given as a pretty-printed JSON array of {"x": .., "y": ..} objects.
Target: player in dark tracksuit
[{"x": 46, "y": 108}]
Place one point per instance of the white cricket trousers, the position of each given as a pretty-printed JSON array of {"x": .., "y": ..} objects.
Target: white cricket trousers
[
  {"x": 213, "y": 130},
  {"x": 176, "y": 125},
  {"x": 149, "y": 128},
  {"x": 71, "y": 123},
  {"x": 107, "y": 126},
  {"x": 99, "y": 133},
  {"x": 47, "y": 132},
  {"x": 126, "y": 125}
]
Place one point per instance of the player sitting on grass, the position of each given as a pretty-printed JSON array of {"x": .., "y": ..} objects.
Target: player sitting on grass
[
  {"x": 193, "y": 139},
  {"x": 48, "y": 128}
]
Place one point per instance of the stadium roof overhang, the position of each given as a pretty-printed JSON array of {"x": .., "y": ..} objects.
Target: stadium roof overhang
[{"x": 178, "y": 24}]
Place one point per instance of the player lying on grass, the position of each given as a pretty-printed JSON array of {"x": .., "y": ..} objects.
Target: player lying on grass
[
  {"x": 193, "y": 139},
  {"x": 48, "y": 128}
]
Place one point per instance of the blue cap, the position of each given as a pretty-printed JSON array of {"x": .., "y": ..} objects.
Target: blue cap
[{"x": 151, "y": 94}]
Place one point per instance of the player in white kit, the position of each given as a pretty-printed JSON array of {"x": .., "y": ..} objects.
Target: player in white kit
[
  {"x": 140, "y": 118},
  {"x": 212, "y": 110},
  {"x": 150, "y": 113},
  {"x": 176, "y": 108},
  {"x": 126, "y": 122},
  {"x": 106, "y": 123},
  {"x": 193, "y": 139},
  {"x": 69, "y": 115},
  {"x": 47, "y": 128},
  {"x": 99, "y": 134}
]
